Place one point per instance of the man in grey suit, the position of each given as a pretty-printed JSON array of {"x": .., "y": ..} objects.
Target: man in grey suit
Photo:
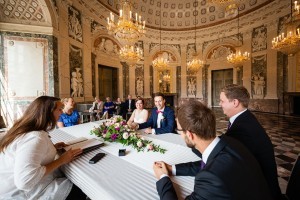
[{"x": 227, "y": 169}]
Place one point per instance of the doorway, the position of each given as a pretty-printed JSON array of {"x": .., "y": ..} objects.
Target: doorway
[
  {"x": 220, "y": 78},
  {"x": 108, "y": 82}
]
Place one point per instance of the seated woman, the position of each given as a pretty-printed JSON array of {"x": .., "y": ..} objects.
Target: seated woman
[
  {"x": 69, "y": 117},
  {"x": 108, "y": 108},
  {"x": 139, "y": 115},
  {"x": 28, "y": 167},
  {"x": 96, "y": 110}
]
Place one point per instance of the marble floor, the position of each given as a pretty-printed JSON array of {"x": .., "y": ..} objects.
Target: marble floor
[{"x": 284, "y": 132}]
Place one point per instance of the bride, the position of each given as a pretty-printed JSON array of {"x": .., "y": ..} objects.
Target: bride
[{"x": 139, "y": 115}]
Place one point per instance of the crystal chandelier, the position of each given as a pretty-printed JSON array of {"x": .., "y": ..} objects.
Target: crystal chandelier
[
  {"x": 160, "y": 62},
  {"x": 195, "y": 64},
  {"x": 166, "y": 77},
  {"x": 130, "y": 54},
  {"x": 289, "y": 43},
  {"x": 238, "y": 58},
  {"x": 127, "y": 30}
]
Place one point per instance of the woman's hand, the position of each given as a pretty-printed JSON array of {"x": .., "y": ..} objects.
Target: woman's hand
[
  {"x": 60, "y": 145},
  {"x": 70, "y": 155}
]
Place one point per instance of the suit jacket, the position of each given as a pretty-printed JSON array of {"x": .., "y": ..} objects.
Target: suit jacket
[
  {"x": 167, "y": 125},
  {"x": 248, "y": 131},
  {"x": 125, "y": 107},
  {"x": 231, "y": 172}
]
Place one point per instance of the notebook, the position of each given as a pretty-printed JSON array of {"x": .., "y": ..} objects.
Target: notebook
[{"x": 85, "y": 144}]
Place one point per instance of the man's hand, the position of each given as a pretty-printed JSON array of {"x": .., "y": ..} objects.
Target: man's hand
[
  {"x": 160, "y": 168},
  {"x": 148, "y": 131}
]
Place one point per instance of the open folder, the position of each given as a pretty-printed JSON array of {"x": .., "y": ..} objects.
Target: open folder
[{"x": 85, "y": 144}]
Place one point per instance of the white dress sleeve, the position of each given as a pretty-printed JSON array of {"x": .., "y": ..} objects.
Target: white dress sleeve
[{"x": 32, "y": 153}]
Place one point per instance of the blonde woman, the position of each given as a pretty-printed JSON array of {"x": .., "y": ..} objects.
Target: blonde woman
[
  {"x": 69, "y": 117},
  {"x": 139, "y": 115}
]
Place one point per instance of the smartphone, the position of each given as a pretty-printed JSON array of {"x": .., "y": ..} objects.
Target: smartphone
[{"x": 96, "y": 158}]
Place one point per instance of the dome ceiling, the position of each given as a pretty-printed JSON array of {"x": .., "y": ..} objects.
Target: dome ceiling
[
  {"x": 180, "y": 15},
  {"x": 177, "y": 15}
]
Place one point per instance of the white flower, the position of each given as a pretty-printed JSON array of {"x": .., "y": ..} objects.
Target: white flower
[
  {"x": 139, "y": 143},
  {"x": 125, "y": 135},
  {"x": 117, "y": 125},
  {"x": 162, "y": 117}
]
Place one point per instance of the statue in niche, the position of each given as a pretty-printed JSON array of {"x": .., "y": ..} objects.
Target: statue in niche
[
  {"x": 77, "y": 84},
  {"x": 192, "y": 87},
  {"x": 258, "y": 86},
  {"x": 139, "y": 86},
  {"x": 74, "y": 84}
]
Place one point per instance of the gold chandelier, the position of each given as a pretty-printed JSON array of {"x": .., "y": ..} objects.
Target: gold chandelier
[
  {"x": 238, "y": 58},
  {"x": 127, "y": 30},
  {"x": 160, "y": 62},
  {"x": 289, "y": 43},
  {"x": 195, "y": 64},
  {"x": 166, "y": 77},
  {"x": 130, "y": 54}
]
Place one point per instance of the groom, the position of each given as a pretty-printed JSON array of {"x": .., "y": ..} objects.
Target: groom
[{"x": 162, "y": 119}]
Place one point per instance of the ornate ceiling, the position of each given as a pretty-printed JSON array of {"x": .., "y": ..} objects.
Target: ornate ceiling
[
  {"x": 177, "y": 15},
  {"x": 24, "y": 12},
  {"x": 180, "y": 15}
]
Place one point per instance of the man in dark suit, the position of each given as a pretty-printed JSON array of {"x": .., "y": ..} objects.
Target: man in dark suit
[
  {"x": 128, "y": 106},
  {"x": 243, "y": 126},
  {"x": 227, "y": 169},
  {"x": 162, "y": 119}
]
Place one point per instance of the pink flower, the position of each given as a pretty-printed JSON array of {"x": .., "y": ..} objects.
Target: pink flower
[{"x": 150, "y": 147}]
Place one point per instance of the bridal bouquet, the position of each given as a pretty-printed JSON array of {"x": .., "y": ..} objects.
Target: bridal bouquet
[{"x": 116, "y": 130}]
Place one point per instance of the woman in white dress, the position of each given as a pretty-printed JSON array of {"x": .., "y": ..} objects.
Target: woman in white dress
[
  {"x": 28, "y": 168},
  {"x": 139, "y": 115}
]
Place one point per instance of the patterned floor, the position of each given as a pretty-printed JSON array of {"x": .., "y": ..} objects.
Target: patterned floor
[{"x": 284, "y": 132}]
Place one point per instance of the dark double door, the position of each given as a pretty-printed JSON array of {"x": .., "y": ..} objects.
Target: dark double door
[
  {"x": 108, "y": 82},
  {"x": 220, "y": 78}
]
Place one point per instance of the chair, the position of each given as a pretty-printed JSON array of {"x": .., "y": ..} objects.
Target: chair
[{"x": 293, "y": 186}]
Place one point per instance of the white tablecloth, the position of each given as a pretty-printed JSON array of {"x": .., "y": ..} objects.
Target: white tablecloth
[{"x": 128, "y": 177}]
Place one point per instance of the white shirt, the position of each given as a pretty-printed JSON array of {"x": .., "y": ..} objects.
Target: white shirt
[
  {"x": 22, "y": 170},
  {"x": 205, "y": 154},
  {"x": 160, "y": 117},
  {"x": 231, "y": 119}
]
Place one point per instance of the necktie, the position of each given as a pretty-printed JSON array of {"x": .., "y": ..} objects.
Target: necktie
[
  {"x": 202, "y": 164},
  {"x": 228, "y": 126},
  {"x": 159, "y": 111}
]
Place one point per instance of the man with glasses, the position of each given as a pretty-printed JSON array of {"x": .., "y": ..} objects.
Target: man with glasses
[
  {"x": 162, "y": 119},
  {"x": 227, "y": 169}
]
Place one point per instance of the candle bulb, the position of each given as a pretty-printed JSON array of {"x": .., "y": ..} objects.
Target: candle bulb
[
  {"x": 108, "y": 20},
  {"x": 136, "y": 17},
  {"x": 120, "y": 13},
  {"x": 140, "y": 19},
  {"x": 130, "y": 14}
]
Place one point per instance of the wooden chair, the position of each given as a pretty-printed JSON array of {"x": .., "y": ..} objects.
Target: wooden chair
[{"x": 293, "y": 186}]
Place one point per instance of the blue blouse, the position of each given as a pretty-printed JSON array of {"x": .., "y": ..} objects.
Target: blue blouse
[{"x": 69, "y": 120}]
